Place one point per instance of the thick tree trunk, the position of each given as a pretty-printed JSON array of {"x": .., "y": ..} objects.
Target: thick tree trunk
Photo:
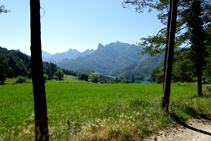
[
  {"x": 40, "y": 107},
  {"x": 169, "y": 54}
]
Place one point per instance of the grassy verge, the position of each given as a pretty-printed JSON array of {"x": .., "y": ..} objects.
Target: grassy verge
[{"x": 85, "y": 111}]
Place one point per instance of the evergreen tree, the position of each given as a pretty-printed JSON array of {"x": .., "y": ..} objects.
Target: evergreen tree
[
  {"x": 3, "y": 71},
  {"x": 198, "y": 39},
  {"x": 59, "y": 74},
  {"x": 132, "y": 79}
]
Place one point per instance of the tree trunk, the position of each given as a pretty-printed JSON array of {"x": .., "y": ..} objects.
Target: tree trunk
[
  {"x": 40, "y": 107},
  {"x": 199, "y": 84},
  {"x": 169, "y": 54}
]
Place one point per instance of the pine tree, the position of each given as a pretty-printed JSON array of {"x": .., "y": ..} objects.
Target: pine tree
[
  {"x": 3, "y": 71},
  {"x": 198, "y": 39}
]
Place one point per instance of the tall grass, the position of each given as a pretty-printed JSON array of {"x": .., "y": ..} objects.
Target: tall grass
[{"x": 85, "y": 111}]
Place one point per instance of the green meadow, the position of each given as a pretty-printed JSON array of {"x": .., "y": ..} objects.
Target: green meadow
[{"x": 79, "y": 110}]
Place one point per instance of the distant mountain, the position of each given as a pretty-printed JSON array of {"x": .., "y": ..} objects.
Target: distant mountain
[
  {"x": 86, "y": 52},
  {"x": 110, "y": 58},
  {"x": 46, "y": 54},
  {"x": 70, "y": 54},
  {"x": 140, "y": 69}
]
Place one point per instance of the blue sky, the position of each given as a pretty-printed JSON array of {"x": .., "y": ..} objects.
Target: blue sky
[{"x": 75, "y": 24}]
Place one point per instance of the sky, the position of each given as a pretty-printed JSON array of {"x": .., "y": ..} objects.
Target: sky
[{"x": 75, "y": 24}]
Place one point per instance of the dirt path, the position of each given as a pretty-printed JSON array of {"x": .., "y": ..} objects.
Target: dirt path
[{"x": 194, "y": 130}]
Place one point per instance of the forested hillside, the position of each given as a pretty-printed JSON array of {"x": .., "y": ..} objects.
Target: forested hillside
[
  {"x": 114, "y": 59},
  {"x": 16, "y": 62},
  {"x": 141, "y": 69},
  {"x": 19, "y": 64}
]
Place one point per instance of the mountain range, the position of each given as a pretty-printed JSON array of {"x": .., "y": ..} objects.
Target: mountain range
[
  {"x": 58, "y": 57},
  {"x": 119, "y": 59}
]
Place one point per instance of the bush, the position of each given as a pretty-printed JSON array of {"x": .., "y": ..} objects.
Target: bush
[
  {"x": 94, "y": 77},
  {"x": 83, "y": 76},
  {"x": 21, "y": 79},
  {"x": 59, "y": 74},
  {"x": 45, "y": 77}
]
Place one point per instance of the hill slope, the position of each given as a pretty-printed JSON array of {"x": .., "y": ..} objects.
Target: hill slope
[
  {"x": 105, "y": 58},
  {"x": 115, "y": 59}
]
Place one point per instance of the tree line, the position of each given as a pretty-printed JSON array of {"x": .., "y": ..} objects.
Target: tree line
[{"x": 14, "y": 63}]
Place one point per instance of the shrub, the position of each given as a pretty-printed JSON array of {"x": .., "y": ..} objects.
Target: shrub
[
  {"x": 83, "y": 76},
  {"x": 45, "y": 77},
  {"x": 21, "y": 79},
  {"x": 94, "y": 77},
  {"x": 59, "y": 74}
]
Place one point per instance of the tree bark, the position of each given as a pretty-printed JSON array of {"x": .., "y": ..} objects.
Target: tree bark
[
  {"x": 40, "y": 107},
  {"x": 199, "y": 72},
  {"x": 171, "y": 28}
]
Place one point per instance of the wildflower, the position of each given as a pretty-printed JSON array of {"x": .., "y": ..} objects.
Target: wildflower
[
  {"x": 134, "y": 112},
  {"x": 137, "y": 113}
]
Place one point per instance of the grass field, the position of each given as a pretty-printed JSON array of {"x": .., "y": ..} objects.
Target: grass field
[{"x": 80, "y": 110}]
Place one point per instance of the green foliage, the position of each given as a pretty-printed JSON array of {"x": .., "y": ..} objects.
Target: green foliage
[
  {"x": 117, "y": 80},
  {"x": 154, "y": 75},
  {"x": 59, "y": 74},
  {"x": 3, "y": 9},
  {"x": 105, "y": 79},
  {"x": 132, "y": 79},
  {"x": 49, "y": 69},
  {"x": 21, "y": 79},
  {"x": 94, "y": 77},
  {"x": 155, "y": 44},
  {"x": 3, "y": 72},
  {"x": 83, "y": 76},
  {"x": 16, "y": 62},
  {"x": 69, "y": 72},
  {"x": 45, "y": 76},
  {"x": 198, "y": 38},
  {"x": 141, "y": 70}
]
